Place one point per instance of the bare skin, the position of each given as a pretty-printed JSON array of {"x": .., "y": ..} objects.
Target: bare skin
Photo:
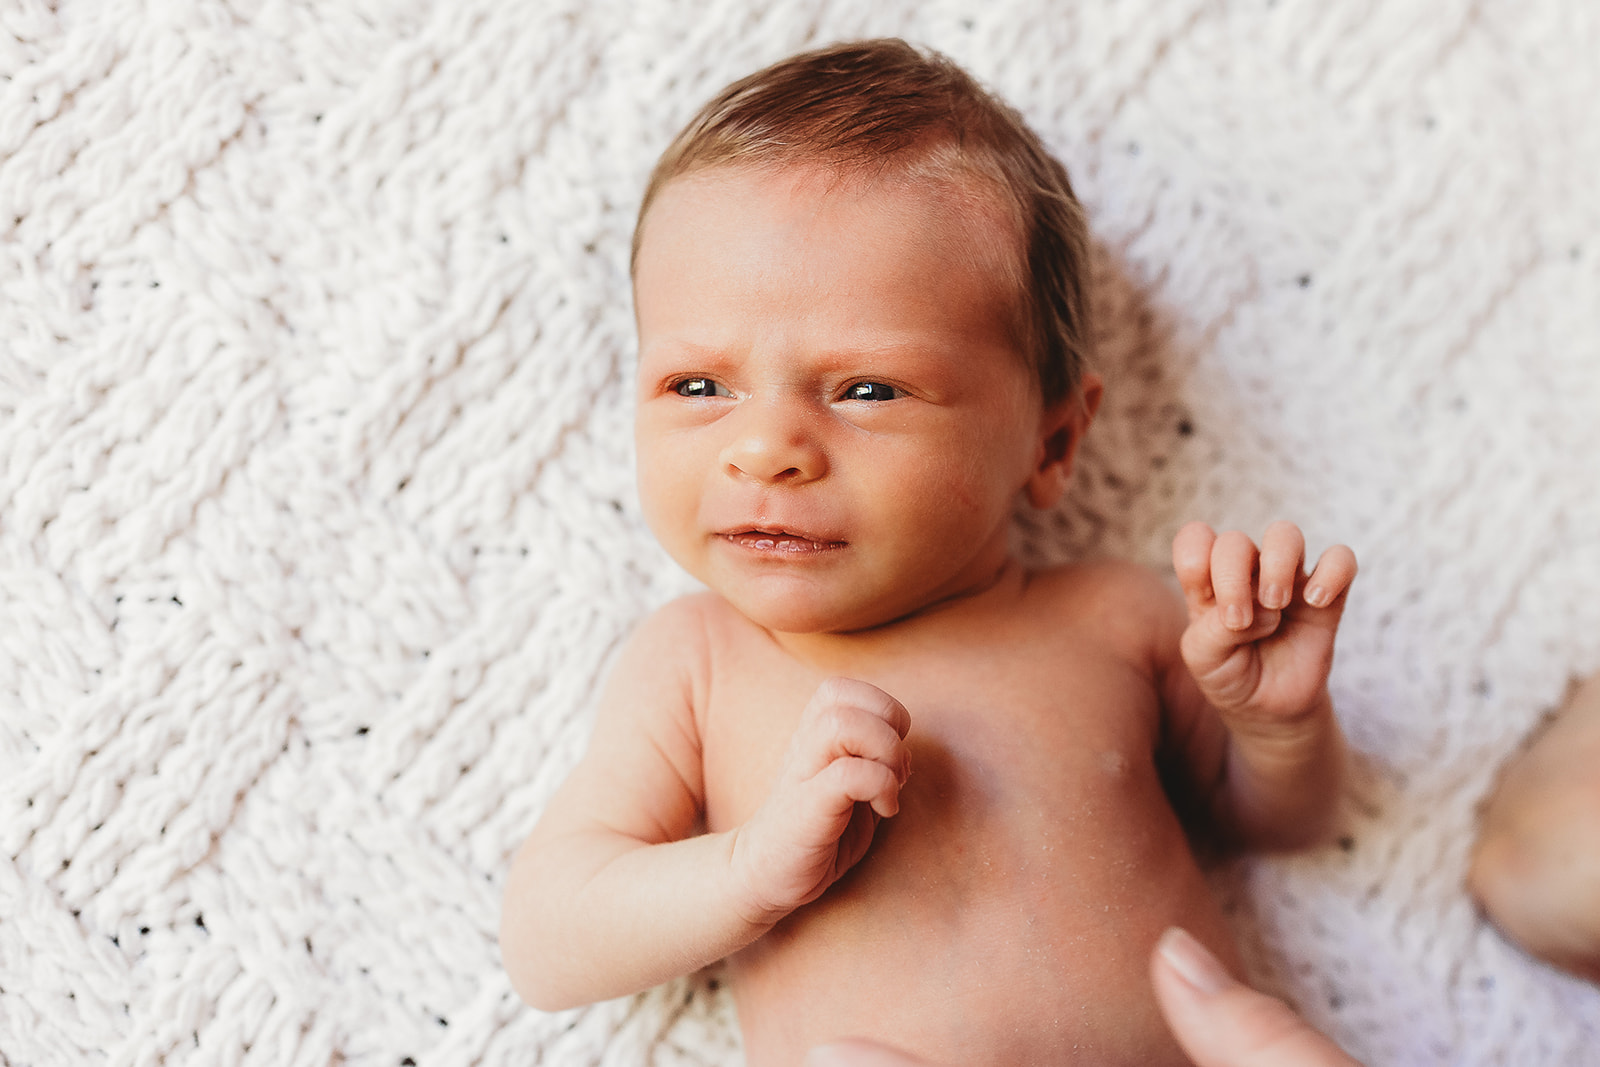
[
  {"x": 1536, "y": 865},
  {"x": 912, "y": 791},
  {"x": 1219, "y": 1021}
]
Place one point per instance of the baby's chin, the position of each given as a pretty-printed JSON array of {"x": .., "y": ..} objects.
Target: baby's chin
[
  {"x": 794, "y": 612},
  {"x": 799, "y": 603},
  {"x": 797, "y": 607}
]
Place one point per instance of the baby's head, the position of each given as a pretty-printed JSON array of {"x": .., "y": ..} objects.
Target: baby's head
[
  {"x": 859, "y": 286},
  {"x": 882, "y": 110}
]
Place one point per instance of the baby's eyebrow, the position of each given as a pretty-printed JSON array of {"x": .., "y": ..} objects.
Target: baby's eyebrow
[
  {"x": 900, "y": 349},
  {"x": 681, "y": 350}
]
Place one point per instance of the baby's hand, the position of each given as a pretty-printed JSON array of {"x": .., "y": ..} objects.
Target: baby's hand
[
  {"x": 843, "y": 771},
  {"x": 1260, "y": 636}
]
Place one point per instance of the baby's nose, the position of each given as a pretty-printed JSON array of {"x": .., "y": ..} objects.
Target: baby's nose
[{"x": 773, "y": 443}]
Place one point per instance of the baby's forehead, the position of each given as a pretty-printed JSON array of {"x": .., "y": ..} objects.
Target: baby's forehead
[
  {"x": 964, "y": 211},
  {"x": 962, "y": 192}
]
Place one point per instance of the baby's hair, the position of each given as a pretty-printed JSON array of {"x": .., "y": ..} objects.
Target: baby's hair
[{"x": 881, "y": 108}]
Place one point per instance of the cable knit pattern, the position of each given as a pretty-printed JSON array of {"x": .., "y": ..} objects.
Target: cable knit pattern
[{"x": 317, "y": 524}]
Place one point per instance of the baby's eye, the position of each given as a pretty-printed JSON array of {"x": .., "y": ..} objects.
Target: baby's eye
[
  {"x": 871, "y": 391},
  {"x": 699, "y": 387}
]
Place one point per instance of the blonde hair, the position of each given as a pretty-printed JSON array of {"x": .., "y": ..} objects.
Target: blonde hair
[{"x": 882, "y": 108}]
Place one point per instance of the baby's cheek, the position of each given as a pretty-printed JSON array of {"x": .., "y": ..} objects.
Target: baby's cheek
[
  {"x": 668, "y": 508},
  {"x": 974, "y": 499}
]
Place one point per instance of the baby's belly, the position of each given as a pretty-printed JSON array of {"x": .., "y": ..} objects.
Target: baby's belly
[{"x": 985, "y": 927}]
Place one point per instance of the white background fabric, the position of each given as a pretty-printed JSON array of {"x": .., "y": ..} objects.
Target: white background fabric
[{"x": 317, "y": 524}]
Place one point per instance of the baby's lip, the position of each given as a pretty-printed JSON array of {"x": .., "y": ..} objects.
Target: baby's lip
[{"x": 779, "y": 539}]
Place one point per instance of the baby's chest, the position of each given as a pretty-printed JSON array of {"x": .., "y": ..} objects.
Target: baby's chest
[
  {"x": 1032, "y": 863},
  {"x": 995, "y": 753}
]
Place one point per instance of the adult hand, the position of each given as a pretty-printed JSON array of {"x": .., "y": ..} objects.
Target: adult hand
[
  {"x": 1218, "y": 1021},
  {"x": 1221, "y": 1022}
]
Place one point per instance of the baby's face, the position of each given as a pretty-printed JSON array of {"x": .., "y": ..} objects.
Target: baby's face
[{"x": 833, "y": 419}]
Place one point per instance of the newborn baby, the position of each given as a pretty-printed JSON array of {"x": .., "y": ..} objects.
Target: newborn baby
[{"x": 913, "y": 791}]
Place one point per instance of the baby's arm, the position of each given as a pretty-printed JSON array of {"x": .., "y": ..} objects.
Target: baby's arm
[
  {"x": 614, "y": 891},
  {"x": 1250, "y": 717}
]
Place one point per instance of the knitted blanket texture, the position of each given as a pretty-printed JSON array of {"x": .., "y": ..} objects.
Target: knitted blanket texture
[{"x": 318, "y": 527}]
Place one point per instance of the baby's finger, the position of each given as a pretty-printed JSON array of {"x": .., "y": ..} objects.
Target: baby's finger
[
  {"x": 849, "y": 733},
  {"x": 1208, "y": 645},
  {"x": 1283, "y": 550},
  {"x": 1233, "y": 574},
  {"x": 862, "y": 781},
  {"x": 1331, "y": 577},
  {"x": 1191, "y": 560},
  {"x": 869, "y": 698}
]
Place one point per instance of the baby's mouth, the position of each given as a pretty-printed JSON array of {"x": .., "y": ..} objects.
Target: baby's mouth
[{"x": 784, "y": 542}]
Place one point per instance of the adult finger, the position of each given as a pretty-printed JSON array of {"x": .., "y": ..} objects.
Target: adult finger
[
  {"x": 1221, "y": 1022},
  {"x": 855, "y": 1052}
]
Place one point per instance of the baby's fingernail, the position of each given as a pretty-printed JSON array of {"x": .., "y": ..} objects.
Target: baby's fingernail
[
  {"x": 1233, "y": 617},
  {"x": 1317, "y": 596},
  {"x": 1193, "y": 963},
  {"x": 1272, "y": 597}
]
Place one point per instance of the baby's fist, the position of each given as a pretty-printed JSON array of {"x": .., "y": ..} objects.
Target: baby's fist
[{"x": 842, "y": 772}]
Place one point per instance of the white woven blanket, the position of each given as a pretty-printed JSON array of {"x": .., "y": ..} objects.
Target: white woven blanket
[{"x": 317, "y": 524}]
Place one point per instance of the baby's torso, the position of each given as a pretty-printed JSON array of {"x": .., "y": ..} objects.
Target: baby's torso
[{"x": 1007, "y": 913}]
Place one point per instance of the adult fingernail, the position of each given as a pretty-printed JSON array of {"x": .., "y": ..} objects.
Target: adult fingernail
[
  {"x": 1196, "y": 966},
  {"x": 1317, "y": 596}
]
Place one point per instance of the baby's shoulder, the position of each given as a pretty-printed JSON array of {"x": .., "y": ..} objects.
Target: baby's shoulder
[
  {"x": 1131, "y": 604},
  {"x": 688, "y": 630},
  {"x": 663, "y": 668},
  {"x": 671, "y": 639},
  {"x": 1092, "y": 584},
  {"x": 677, "y": 654}
]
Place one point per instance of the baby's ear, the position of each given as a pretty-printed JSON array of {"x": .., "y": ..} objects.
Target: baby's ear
[{"x": 1060, "y": 431}]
